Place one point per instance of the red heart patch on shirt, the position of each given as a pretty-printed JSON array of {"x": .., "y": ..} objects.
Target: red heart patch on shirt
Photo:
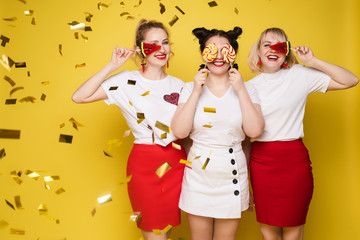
[{"x": 172, "y": 98}]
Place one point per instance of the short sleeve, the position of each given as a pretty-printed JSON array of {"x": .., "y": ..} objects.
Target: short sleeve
[
  {"x": 112, "y": 87},
  {"x": 317, "y": 81},
  {"x": 252, "y": 93},
  {"x": 186, "y": 92}
]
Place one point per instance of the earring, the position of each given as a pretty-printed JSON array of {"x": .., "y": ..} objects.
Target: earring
[
  {"x": 259, "y": 63},
  {"x": 167, "y": 64},
  {"x": 143, "y": 64},
  {"x": 284, "y": 65}
]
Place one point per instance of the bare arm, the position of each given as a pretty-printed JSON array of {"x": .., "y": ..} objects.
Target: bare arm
[
  {"x": 341, "y": 78},
  {"x": 91, "y": 90}
]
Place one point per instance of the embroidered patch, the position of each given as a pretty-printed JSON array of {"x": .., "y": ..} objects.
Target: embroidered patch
[{"x": 173, "y": 98}]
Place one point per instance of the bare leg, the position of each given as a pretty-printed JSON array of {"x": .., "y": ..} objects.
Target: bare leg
[
  {"x": 225, "y": 229},
  {"x": 271, "y": 232},
  {"x": 152, "y": 236},
  {"x": 294, "y": 233},
  {"x": 201, "y": 228}
]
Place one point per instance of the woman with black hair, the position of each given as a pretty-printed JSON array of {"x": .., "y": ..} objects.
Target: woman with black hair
[{"x": 217, "y": 110}]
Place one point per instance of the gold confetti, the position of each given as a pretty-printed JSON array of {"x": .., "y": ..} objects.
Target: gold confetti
[
  {"x": 175, "y": 145},
  {"x": 163, "y": 127},
  {"x": 146, "y": 93},
  {"x": 18, "y": 203},
  {"x": 51, "y": 178},
  {"x": 236, "y": 11},
  {"x": 212, "y": 4},
  {"x": 140, "y": 116},
  {"x": 114, "y": 143},
  {"x": 60, "y": 191},
  {"x": 113, "y": 88},
  {"x": 127, "y": 133},
  {"x": 10, "y": 101},
  {"x": 140, "y": 1},
  {"x": 60, "y": 49},
  {"x": 3, "y": 224},
  {"x": 135, "y": 217},
  {"x": 173, "y": 20},
  {"x": 77, "y": 26},
  {"x": 20, "y": 64},
  {"x": 209, "y": 110},
  {"x": 29, "y": 12},
  {"x": 7, "y": 62},
  {"x": 84, "y": 37},
  {"x": 163, "y": 136},
  {"x": 180, "y": 10},
  {"x": 131, "y": 82},
  {"x": 185, "y": 161},
  {"x": 32, "y": 174},
  {"x": 130, "y": 18},
  {"x": 207, "y": 125},
  {"x": 9, "y": 80},
  {"x": 15, "y": 89},
  {"x": 122, "y": 4},
  {"x": 45, "y": 83},
  {"x": 163, "y": 169},
  {"x": 4, "y": 40},
  {"x": 162, "y": 8},
  {"x": 17, "y": 231},
  {"x": 76, "y": 34},
  {"x": 12, "y": 134},
  {"x": 10, "y": 19},
  {"x": 47, "y": 186},
  {"x": 80, "y": 65},
  {"x": 2, "y": 153},
  {"x": 167, "y": 228},
  {"x": 101, "y": 5},
  {"x": 28, "y": 99},
  {"x": 23, "y": 1},
  {"x": 88, "y": 16},
  {"x": 107, "y": 154},
  {"x": 16, "y": 176},
  {"x": 104, "y": 199},
  {"x": 65, "y": 138},
  {"x": 130, "y": 103},
  {"x": 33, "y": 21},
  {"x": 126, "y": 180},
  {"x": 10, "y": 204},
  {"x": 124, "y": 13},
  {"x": 28, "y": 73},
  {"x": 43, "y": 97},
  {"x": 43, "y": 210},
  {"x": 75, "y": 123},
  {"x": 62, "y": 125},
  {"x": 206, "y": 163},
  {"x": 153, "y": 137},
  {"x": 93, "y": 212},
  {"x": 157, "y": 232}
]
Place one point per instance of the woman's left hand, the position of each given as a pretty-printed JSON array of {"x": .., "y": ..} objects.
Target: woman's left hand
[
  {"x": 304, "y": 54},
  {"x": 235, "y": 79}
]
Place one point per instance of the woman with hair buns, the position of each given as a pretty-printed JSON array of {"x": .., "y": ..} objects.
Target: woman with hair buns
[
  {"x": 147, "y": 98},
  {"x": 280, "y": 168},
  {"x": 217, "y": 109}
]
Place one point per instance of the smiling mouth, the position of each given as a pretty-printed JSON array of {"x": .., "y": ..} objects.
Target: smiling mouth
[
  {"x": 161, "y": 57},
  {"x": 273, "y": 58},
  {"x": 218, "y": 64}
]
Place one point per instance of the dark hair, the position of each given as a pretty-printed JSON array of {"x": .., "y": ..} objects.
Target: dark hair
[{"x": 204, "y": 34}]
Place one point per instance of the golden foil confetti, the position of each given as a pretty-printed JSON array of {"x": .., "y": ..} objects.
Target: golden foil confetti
[
  {"x": 124, "y": 13},
  {"x": 107, "y": 154},
  {"x": 163, "y": 169},
  {"x": 163, "y": 127},
  {"x": 17, "y": 231},
  {"x": 162, "y": 8},
  {"x": 51, "y": 178},
  {"x": 131, "y": 82},
  {"x": 20, "y": 64},
  {"x": 173, "y": 20},
  {"x": 163, "y": 136},
  {"x": 16, "y": 176},
  {"x": 180, "y": 10},
  {"x": 153, "y": 137},
  {"x": 4, "y": 40},
  {"x": 60, "y": 49},
  {"x": 80, "y": 65},
  {"x": 10, "y": 101},
  {"x": 236, "y": 11},
  {"x": 10, "y": 19},
  {"x": 167, "y": 228},
  {"x": 76, "y": 35},
  {"x": 113, "y": 88},
  {"x": 15, "y": 89},
  {"x": 146, "y": 93},
  {"x": 127, "y": 133},
  {"x": 12, "y": 134},
  {"x": 32, "y": 174},
  {"x": 206, "y": 163},
  {"x": 65, "y": 138},
  {"x": 130, "y": 18},
  {"x": 43, "y": 97},
  {"x": 185, "y": 161},
  {"x": 175, "y": 145},
  {"x": 23, "y": 1},
  {"x": 3, "y": 224},
  {"x": 77, "y": 26},
  {"x": 62, "y": 125},
  {"x": 28, "y": 73},
  {"x": 101, "y": 5},
  {"x": 209, "y": 110},
  {"x": 18, "y": 202},
  {"x": 157, "y": 232},
  {"x": 212, "y": 4},
  {"x": 75, "y": 123},
  {"x": 140, "y": 1},
  {"x": 10, "y": 204},
  {"x": 9, "y": 80},
  {"x": 135, "y": 217},
  {"x": 113, "y": 143},
  {"x": 140, "y": 115},
  {"x": 7, "y": 62},
  {"x": 45, "y": 83},
  {"x": 29, "y": 12},
  {"x": 104, "y": 199},
  {"x": 84, "y": 37},
  {"x": 33, "y": 21},
  {"x": 207, "y": 125},
  {"x": 122, "y": 4},
  {"x": 43, "y": 210},
  {"x": 47, "y": 186},
  {"x": 88, "y": 16},
  {"x": 60, "y": 191},
  {"x": 93, "y": 212},
  {"x": 126, "y": 180},
  {"x": 2, "y": 153},
  {"x": 28, "y": 99},
  {"x": 130, "y": 103}
]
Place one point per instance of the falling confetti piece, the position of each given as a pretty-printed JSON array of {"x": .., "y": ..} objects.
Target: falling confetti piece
[
  {"x": 113, "y": 88},
  {"x": 135, "y": 217},
  {"x": 4, "y": 40},
  {"x": 18, "y": 202},
  {"x": 122, "y": 4},
  {"x": 3, "y": 224},
  {"x": 28, "y": 99},
  {"x": 126, "y": 180},
  {"x": 16, "y": 177},
  {"x": 75, "y": 123},
  {"x": 7, "y": 62},
  {"x": 65, "y": 138},
  {"x": 131, "y": 82},
  {"x": 212, "y": 4},
  {"x": 130, "y": 18},
  {"x": 43, "y": 97},
  {"x": 10, "y": 204},
  {"x": 206, "y": 163},
  {"x": 17, "y": 231},
  {"x": 76, "y": 35},
  {"x": 101, "y": 5},
  {"x": 77, "y": 26},
  {"x": 162, "y": 8},
  {"x": 80, "y": 65},
  {"x": 157, "y": 232},
  {"x": 62, "y": 125},
  {"x": 163, "y": 169},
  {"x": 113, "y": 143},
  {"x": 140, "y": 115},
  {"x": 60, "y": 191},
  {"x": 173, "y": 20},
  {"x": 107, "y": 154},
  {"x": 162, "y": 127},
  {"x": 60, "y": 49},
  {"x": 167, "y": 228},
  {"x": 104, "y": 199},
  {"x": 32, "y": 174},
  {"x": 88, "y": 29},
  {"x": 10, "y": 101},
  {"x": 20, "y": 65},
  {"x": 84, "y": 37},
  {"x": 175, "y": 145},
  {"x": 88, "y": 16},
  {"x": 51, "y": 178},
  {"x": 6, "y": 133},
  {"x": 29, "y": 12},
  {"x": 207, "y": 126},
  {"x": 9, "y": 80},
  {"x": 124, "y": 13},
  {"x": 15, "y": 89},
  {"x": 28, "y": 73},
  {"x": 45, "y": 83},
  {"x": 127, "y": 133},
  {"x": 10, "y": 19},
  {"x": 140, "y": 1},
  {"x": 146, "y": 93},
  {"x": 43, "y": 210},
  {"x": 47, "y": 186},
  {"x": 236, "y": 11},
  {"x": 180, "y": 10},
  {"x": 2, "y": 153},
  {"x": 185, "y": 161},
  {"x": 93, "y": 212},
  {"x": 33, "y": 21},
  {"x": 209, "y": 110},
  {"x": 23, "y": 1},
  {"x": 163, "y": 136}
]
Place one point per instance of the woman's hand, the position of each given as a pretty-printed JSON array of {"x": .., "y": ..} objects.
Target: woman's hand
[
  {"x": 304, "y": 54},
  {"x": 120, "y": 56},
  {"x": 236, "y": 79},
  {"x": 199, "y": 80}
]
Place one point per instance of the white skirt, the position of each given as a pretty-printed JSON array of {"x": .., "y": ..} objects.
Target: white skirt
[{"x": 221, "y": 190}]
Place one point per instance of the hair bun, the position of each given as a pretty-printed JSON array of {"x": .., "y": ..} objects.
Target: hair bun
[
  {"x": 235, "y": 33},
  {"x": 200, "y": 33}
]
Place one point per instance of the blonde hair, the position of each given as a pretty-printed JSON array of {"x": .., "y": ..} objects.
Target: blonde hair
[
  {"x": 253, "y": 58},
  {"x": 142, "y": 28}
]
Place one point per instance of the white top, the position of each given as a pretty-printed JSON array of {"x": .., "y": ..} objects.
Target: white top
[
  {"x": 147, "y": 105},
  {"x": 220, "y": 129},
  {"x": 283, "y": 96}
]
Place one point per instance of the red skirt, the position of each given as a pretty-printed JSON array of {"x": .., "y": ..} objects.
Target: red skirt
[
  {"x": 155, "y": 197},
  {"x": 282, "y": 182}
]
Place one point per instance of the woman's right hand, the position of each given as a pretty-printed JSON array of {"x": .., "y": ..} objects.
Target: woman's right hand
[
  {"x": 120, "y": 56},
  {"x": 199, "y": 80}
]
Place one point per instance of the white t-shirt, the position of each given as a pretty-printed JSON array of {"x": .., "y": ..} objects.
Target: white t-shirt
[
  {"x": 283, "y": 97},
  {"x": 222, "y": 128},
  {"x": 147, "y": 105}
]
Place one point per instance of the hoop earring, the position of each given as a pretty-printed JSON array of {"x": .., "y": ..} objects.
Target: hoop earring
[{"x": 143, "y": 64}]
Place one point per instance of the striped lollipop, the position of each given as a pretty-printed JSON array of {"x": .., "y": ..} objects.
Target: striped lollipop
[
  {"x": 229, "y": 53},
  {"x": 210, "y": 52}
]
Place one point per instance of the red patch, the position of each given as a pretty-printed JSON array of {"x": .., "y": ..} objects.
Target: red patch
[{"x": 172, "y": 98}]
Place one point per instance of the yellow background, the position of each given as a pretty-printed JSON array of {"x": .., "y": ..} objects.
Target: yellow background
[{"x": 329, "y": 27}]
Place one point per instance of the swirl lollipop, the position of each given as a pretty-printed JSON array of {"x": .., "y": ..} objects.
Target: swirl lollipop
[
  {"x": 210, "y": 52},
  {"x": 229, "y": 53}
]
